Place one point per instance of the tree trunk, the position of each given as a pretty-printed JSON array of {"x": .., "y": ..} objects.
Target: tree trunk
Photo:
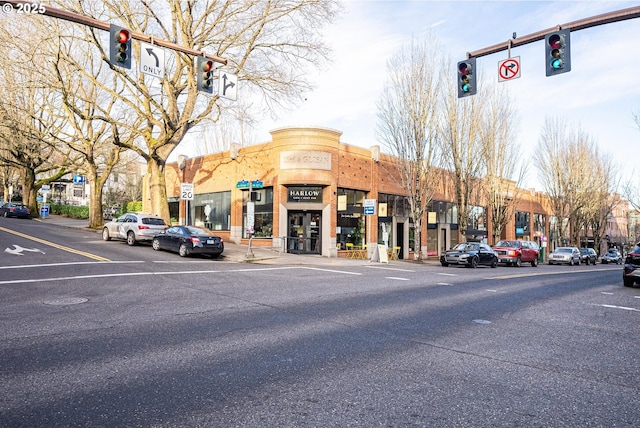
[
  {"x": 96, "y": 219},
  {"x": 156, "y": 195},
  {"x": 29, "y": 192}
]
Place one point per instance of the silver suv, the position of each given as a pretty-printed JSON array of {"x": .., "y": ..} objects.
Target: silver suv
[{"x": 134, "y": 227}]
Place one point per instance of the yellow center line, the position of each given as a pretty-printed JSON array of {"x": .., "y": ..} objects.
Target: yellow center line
[{"x": 52, "y": 244}]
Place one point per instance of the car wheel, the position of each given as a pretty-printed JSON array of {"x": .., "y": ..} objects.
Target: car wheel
[
  {"x": 156, "y": 244},
  {"x": 534, "y": 262},
  {"x": 474, "y": 262},
  {"x": 494, "y": 264},
  {"x": 445, "y": 264},
  {"x": 105, "y": 235},
  {"x": 518, "y": 262},
  {"x": 6, "y": 214},
  {"x": 131, "y": 238},
  {"x": 586, "y": 262},
  {"x": 627, "y": 282},
  {"x": 620, "y": 261},
  {"x": 571, "y": 262},
  {"x": 183, "y": 251}
]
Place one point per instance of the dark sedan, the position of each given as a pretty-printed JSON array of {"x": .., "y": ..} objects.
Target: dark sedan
[
  {"x": 470, "y": 254},
  {"x": 186, "y": 240},
  {"x": 588, "y": 256},
  {"x": 15, "y": 210}
]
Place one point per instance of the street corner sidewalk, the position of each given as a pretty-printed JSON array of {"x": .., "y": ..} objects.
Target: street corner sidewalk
[{"x": 64, "y": 221}]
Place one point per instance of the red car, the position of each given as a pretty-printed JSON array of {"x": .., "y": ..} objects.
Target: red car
[{"x": 515, "y": 252}]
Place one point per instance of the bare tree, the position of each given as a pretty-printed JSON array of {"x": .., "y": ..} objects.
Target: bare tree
[
  {"x": 461, "y": 139},
  {"x": 501, "y": 154},
  {"x": 407, "y": 124},
  {"x": 269, "y": 44}
]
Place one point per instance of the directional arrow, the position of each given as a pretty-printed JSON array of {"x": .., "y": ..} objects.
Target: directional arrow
[
  {"x": 152, "y": 53},
  {"x": 17, "y": 250},
  {"x": 226, "y": 86}
]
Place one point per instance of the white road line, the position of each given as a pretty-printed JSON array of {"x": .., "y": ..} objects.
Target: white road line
[
  {"x": 397, "y": 278},
  {"x": 390, "y": 268},
  {"x": 624, "y": 308},
  {"x": 447, "y": 274},
  {"x": 444, "y": 283},
  {"x": 71, "y": 264}
]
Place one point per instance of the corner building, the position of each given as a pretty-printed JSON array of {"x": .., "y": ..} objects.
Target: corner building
[{"x": 311, "y": 194}]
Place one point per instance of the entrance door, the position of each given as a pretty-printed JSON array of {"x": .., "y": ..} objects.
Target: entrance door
[
  {"x": 400, "y": 238},
  {"x": 305, "y": 233}
]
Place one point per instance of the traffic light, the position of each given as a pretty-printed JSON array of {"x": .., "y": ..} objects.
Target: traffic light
[
  {"x": 205, "y": 74},
  {"x": 467, "y": 78},
  {"x": 120, "y": 46},
  {"x": 557, "y": 52}
]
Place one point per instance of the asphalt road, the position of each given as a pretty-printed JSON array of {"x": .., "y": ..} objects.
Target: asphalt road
[{"x": 152, "y": 340}]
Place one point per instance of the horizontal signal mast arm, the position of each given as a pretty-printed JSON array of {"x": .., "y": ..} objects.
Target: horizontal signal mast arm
[
  {"x": 101, "y": 25},
  {"x": 581, "y": 24}
]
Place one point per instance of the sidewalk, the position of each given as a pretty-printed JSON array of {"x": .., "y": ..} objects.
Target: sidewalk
[{"x": 240, "y": 253}]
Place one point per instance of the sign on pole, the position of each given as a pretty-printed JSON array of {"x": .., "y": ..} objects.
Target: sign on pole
[
  {"x": 509, "y": 69},
  {"x": 228, "y": 86},
  {"x": 369, "y": 206},
  {"x": 186, "y": 191},
  {"x": 151, "y": 60}
]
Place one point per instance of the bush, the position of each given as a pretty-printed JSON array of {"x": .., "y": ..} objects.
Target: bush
[{"x": 72, "y": 211}]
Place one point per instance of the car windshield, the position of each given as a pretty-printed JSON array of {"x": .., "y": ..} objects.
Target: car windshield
[
  {"x": 465, "y": 246},
  {"x": 508, "y": 244},
  {"x": 197, "y": 231},
  {"x": 564, "y": 250}
]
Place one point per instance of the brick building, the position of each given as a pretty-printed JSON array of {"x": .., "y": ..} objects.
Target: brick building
[{"x": 310, "y": 192}]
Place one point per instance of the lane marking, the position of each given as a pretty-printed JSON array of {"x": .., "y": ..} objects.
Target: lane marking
[
  {"x": 624, "y": 308},
  {"x": 525, "y": 275},
  {"x": 189, "y": 272},
  {"x": 51, "y": 244},
  {"x": 446, "y": 274},
  {"x": 444, "y": 283},
  {"x": 70, "y": 264},
  {"x": 397, "y": 278},
  {"x": 390, "y": 268}
]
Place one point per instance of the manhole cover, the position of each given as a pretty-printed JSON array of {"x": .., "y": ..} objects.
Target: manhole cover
[{"x": 66, "y": 301}]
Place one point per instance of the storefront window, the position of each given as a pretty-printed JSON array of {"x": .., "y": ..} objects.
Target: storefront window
[
  {"x": 522, "y": 224},
  {"x": 351, "y": 221},
  {"x": 538, "y": 224},
  {"x": 213, "y": 210},
  {"x": 262, "y": 212}
]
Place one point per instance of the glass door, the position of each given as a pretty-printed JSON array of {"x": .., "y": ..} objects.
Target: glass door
[{"x": 305, "y": 232}]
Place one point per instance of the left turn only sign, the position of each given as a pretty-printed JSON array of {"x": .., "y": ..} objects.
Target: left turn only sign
[
  {"x": 186, "y": 191},
  {"x": 151, "y": 60}
]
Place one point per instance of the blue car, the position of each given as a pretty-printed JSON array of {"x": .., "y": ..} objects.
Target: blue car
[{"x": 15, "y": 210}]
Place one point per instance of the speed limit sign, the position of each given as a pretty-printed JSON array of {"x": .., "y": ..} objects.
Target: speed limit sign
[{"x": 186, "y": 191}]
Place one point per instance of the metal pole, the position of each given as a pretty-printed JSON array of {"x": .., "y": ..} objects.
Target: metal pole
[{"x": 101, "y": 25}]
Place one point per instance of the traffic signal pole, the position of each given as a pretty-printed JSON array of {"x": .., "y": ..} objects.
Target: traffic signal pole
[
  {"x": 581, "y": 24},
  {"x": 101, "y": 25}
]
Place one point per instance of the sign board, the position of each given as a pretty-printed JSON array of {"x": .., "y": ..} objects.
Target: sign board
[
  {"x": 509, "y": 69},
  {"x": 186, "y": 191},
  {"x": 151, "y": 60},
  {"x": 244, "y": 184},
  {"x": 44, "y": 210},
  {"x": 45, "y": 188},
  {"x": 78, "y": 179},
  {"x": 369, "y": 206},
  {"x": 382, "y": 253},
  {"x": 228, "y": 85},
  {"x": 251, "y": 218}
]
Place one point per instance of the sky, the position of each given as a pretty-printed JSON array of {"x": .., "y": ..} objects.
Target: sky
[{"x": 600, "y": 94}]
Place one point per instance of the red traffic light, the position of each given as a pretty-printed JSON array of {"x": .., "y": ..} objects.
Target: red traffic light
[
  {"x": 122, "y": 36},
  {"x": 464, "y": 68},
  {"x": 207, "y": 66},
  {"x": 554, "y": 41}
]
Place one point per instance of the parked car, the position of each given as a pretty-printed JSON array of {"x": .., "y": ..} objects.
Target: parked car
[
  {"x": 516, "y": 252},
  {"x": 569, "y": 255},
  {"x": 631, "y": 270},
  {"x": 186, "y": 240},
  {"x": 611, "y": 256},
  {"x": 588, "y": 255},
  {"x": 11, "y": 209},
  {"x": 470, "y": 254},
  {"x": 134, "y": 227}
]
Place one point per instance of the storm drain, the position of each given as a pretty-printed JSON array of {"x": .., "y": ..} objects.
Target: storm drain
[{"x": 63, "y": 301}]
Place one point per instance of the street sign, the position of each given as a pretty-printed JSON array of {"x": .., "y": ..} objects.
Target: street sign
[
  {"x": 251, "y": 217},
  {"x": 509, "y": 69},
  {"x": 228, "y": 85},
  {"x": 151, "y": 60},
  {"x": 45, "y": 188},
  {"x": 369, "y": 206},
  {"x": 44, "y": 210},
  {"x": 78, "y": 179},
  {"x": 186, "y": 191}
]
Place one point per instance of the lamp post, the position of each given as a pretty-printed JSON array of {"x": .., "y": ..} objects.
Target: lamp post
[{"x": 182, "y": 163}]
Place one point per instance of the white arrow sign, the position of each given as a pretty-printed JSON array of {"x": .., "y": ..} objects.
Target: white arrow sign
[
  {"x": 151, "y": 60},
  {"x": 228, "y": 85},
  {"x": 17, "y": 250}
]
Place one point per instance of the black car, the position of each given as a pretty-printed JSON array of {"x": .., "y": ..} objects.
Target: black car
[
  {"x": 186, "y": 240},
  {"x": 631, "y": 270},
  {"x": 588, "y": 256},
  {"x": 470, "y": 254},
  {"x": 15, "y": 210}
]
